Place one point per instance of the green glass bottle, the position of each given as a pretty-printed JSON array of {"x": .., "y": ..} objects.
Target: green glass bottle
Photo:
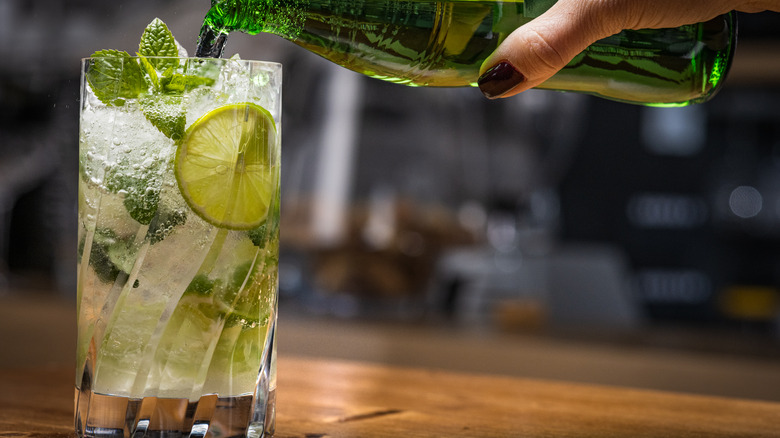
[{"x": 443, "y": 44}]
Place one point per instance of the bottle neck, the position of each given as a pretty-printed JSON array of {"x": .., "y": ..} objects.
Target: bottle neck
[
  {"x": 211, "y": 42},
  {"x": 223, "y": 17},
  {"x": 255, "y": 16}
]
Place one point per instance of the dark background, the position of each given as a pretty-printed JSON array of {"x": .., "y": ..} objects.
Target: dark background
[{"x": 665, "y": 218}]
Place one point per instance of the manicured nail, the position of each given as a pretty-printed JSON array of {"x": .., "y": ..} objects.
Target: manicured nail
[{"x": 499, "y": 79}]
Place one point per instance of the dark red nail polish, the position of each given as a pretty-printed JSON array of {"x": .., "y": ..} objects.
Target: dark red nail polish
[{"x": 499, "y": 79}]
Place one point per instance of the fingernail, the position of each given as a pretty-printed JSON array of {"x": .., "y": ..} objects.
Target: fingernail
[{"x": 499, "y": 79}]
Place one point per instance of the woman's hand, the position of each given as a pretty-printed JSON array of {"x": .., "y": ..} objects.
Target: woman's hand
[{"x": 534, "y": 52}]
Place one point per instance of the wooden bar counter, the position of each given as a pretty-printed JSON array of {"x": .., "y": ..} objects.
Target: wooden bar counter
[
  {"x": 321, "y": 395},
  {"x": 333, "y": 398}
]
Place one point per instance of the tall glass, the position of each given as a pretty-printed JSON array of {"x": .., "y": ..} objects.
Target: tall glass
[{"x": 178, "y": 247}]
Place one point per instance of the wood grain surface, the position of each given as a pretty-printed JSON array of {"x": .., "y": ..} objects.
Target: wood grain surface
[{"x": 319, "y": 398}]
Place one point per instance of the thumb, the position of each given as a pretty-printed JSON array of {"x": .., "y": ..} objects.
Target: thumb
[{"x": 537, "y": 50}]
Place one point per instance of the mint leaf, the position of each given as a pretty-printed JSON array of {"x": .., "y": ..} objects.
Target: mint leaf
[
  {"x": 178, "y": 83},
  {"x": 150, "y": 71},
  {"x": 110, "y": 255},
  {"x": 140, "y": 187},
  {"x": 165, "y": 113},
  {"x": 201, "y": 286},
  {"x": 163, "y": 222},
  {"x": 258, "y": 235},
  {"x": 114, "y": 76},
  {"x": 142, "y": 205},
  {"x": 157, "y": 40},
  {"x": 99, "y": 259}
]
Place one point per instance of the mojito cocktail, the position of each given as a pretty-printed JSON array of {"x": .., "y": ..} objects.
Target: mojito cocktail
[{"x": 178, "y": 246}]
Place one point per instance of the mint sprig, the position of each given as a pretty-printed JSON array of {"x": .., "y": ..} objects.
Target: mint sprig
[{"x": 156, "y": 77}]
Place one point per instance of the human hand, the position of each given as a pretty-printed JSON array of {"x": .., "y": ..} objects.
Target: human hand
[{"x": 536, "y": 51}]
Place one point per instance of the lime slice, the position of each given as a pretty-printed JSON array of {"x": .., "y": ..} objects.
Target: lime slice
[{"x": 224, "y": 166}]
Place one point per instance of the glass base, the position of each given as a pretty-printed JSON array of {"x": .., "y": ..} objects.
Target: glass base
[{"x": 99, "y": 416}]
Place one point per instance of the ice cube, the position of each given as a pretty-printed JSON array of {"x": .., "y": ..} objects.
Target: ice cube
[
  {"x": 119, "y": 140},
  {"x": 182, "y": 51}
]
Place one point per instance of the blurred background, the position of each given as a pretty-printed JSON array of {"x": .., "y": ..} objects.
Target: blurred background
[{"x": 550, "y": 235}]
